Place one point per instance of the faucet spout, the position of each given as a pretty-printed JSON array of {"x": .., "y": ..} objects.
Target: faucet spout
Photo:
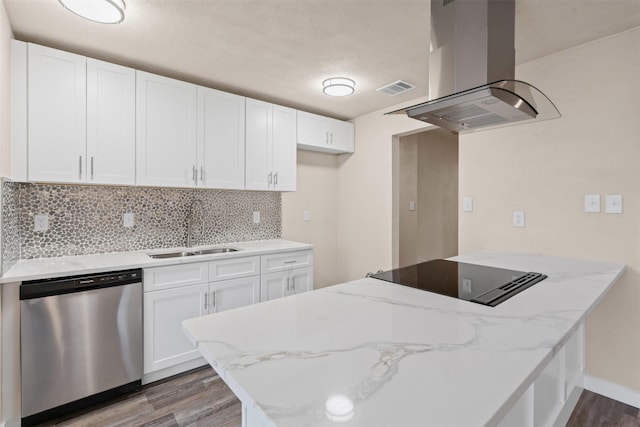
[{"x": 196, "y": 204}]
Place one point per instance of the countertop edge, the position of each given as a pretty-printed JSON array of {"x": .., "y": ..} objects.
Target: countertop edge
[{"x": 44, "y": 268}]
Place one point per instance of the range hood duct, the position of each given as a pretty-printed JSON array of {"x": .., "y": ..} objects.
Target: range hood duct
[{"x": 472, "y": 82}]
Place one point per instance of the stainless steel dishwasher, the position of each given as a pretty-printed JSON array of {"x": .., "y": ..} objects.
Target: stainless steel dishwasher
[{"x": 81, "y": 342}]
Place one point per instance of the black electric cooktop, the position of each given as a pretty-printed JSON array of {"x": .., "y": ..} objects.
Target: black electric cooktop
[{"x": 476, "y": 283}]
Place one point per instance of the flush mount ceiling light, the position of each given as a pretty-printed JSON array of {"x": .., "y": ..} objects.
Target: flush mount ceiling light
[
  {"x": 338, "y": 86},
  {"x": 103, "y": 11}
]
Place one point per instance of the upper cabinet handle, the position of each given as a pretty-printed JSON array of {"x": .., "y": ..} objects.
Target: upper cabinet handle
[
  {"x": 270, "y": 178},
  {"x": 275, "y": 178},
  {"x": 91, "y": 168},
  {"x": 194, "y": 174},
  {"x": 202, "y": 174},
  {"x": 80, "y": 168}
]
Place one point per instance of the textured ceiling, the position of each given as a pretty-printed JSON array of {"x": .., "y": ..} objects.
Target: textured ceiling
[{"x": 280, "y": 51}]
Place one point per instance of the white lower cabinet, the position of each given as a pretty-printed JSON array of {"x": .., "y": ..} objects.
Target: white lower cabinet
[
  {"x": 284, "y": 283},
  {"x": 234, "y": 293},
  {"x": 165, "y": 344},
  {"x": 175, "y": 293}
]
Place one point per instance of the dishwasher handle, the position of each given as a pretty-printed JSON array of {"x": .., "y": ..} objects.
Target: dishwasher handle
[{"x": 68, "y": 285}]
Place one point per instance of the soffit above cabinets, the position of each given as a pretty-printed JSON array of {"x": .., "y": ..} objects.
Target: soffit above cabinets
[{"x": 281, "y": 51}]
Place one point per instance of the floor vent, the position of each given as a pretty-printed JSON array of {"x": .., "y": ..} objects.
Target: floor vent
[{"x": 396, "y": 88}]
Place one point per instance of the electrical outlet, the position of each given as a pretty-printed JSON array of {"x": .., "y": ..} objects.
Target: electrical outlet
[
  {"x": 256, "y": 217},
  {"x": 466, "y": 285},
  {"x": 128, "y": 220},
  {"x": 306, "y": 216},
  {"x": 412, "y": 205},
  {"x": 518, "y": 218},
  {"x": 41, "y": 222}
]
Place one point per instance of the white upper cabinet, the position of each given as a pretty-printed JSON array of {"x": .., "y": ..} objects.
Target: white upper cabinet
[
  {"x": 284, "y": 153},
  {"x": 81, "y": 119},
  {"x": 258, "y": 143},
  {"x": 56, "y": 115},
  {"x": 111, "y": 132},
  {"x": 270, "y": 147},
  {"x": 319, "y": 133},
  {"x": 165, "y": 131},
  {"x": 221, "y": 126}
]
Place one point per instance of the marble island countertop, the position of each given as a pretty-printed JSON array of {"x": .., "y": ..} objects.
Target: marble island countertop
[
  {"x": 400, "y": 356},
  {"x": 43, "y": 268}
]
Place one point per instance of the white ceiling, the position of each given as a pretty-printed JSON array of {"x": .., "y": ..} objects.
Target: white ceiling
[{"x": 281, "y": 50}]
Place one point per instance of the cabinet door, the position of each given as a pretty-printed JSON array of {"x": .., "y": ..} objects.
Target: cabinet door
[
  {"x": 273, "y": 285},
  {"x": 234, "y": 293},
  {"x": 220, "y": 139},
  {"x": 259, "y": 117},
  {"x": 341, "y": 136},
  {"x": 165, "y": 344},
  {"x": 284, "y": 149},
  {"x": 56, "y": 115},
  {"x": 165, "y": 131},
  {"x": 300, "y": 280},
  {"x": 312, "y": 130},
  {"x": 111, "y": 132}
]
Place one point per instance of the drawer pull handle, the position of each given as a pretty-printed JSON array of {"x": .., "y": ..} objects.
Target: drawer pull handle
[{"x": 290, "y": 262}]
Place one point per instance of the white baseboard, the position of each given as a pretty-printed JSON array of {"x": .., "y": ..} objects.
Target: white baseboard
[{"x": 612, "y": 391}]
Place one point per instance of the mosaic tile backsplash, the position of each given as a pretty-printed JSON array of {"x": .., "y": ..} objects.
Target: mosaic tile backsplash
[
  {"x": 89, "y": 219},
  {"x": 10, "y": 224}
]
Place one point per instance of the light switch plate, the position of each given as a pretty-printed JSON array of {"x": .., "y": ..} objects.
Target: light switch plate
[
  {"x": 613, "y": 203},
  {"x": 412, "y": 205},
  {"x": 256, "y": 217},
  {"x": 592, "y": 203},
  {"x": 518, "y": 218},
  {"x": 467, "y": 204}
]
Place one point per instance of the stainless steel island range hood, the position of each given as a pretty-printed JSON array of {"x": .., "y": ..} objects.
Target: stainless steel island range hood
[{"x": 472, "y": 82}]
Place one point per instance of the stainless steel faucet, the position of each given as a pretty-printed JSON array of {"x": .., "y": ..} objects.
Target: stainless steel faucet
[{"x": 196, "y": 203}]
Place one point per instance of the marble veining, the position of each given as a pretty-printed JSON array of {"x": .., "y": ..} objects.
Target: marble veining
[{"x": 404, "y": 357}]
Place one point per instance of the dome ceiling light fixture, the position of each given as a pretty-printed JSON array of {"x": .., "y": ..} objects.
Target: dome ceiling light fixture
[
  {"x": 338, "y": 86},
  {"x": 103, "y": 11}
]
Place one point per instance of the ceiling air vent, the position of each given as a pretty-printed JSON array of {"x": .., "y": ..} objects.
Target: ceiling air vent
[{"x": 396, "y": 88}]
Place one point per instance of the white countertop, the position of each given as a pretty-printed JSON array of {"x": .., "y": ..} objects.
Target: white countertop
[
  {"x": 43, "y": 268},
  {"x": 404, "y": 357}
]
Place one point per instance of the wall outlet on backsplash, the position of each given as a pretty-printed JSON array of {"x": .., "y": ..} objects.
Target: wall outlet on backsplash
[
  {"x": 256, "y": 217},
  {"x": 41, "y": 222},
  {"x": 128, "y": 220}
]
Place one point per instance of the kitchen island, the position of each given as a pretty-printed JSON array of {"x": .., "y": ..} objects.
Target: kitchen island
[{"x": 372, "y": 353}]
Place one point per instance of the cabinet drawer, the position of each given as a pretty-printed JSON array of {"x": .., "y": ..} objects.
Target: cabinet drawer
[
  {"x": 174, "y": 276},
  {"x": 286, "y": 260},
  {"x": 234, "y": 268}
]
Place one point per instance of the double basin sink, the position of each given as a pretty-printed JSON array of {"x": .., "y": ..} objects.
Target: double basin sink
[{"x": 193, "y": 253}]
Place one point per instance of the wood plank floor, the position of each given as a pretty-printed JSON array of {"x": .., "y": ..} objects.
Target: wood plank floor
[
  {"x": 196, "y": 398},
  {"x": 200, "y": 398}
]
